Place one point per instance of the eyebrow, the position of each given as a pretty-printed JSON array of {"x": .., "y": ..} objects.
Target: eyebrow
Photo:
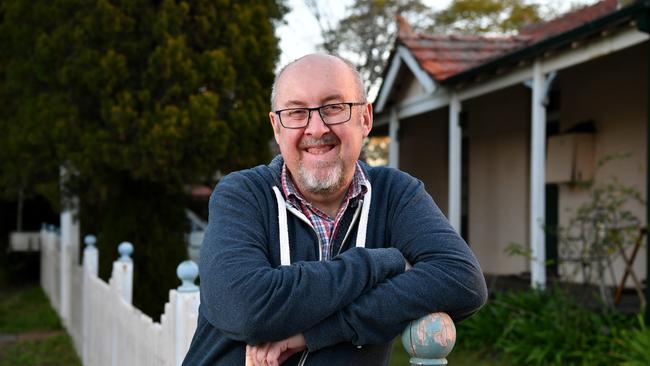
[{"x": 330, "y": 98}]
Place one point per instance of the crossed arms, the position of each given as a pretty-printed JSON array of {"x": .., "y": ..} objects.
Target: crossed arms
[{"x": 362, "y": 296}]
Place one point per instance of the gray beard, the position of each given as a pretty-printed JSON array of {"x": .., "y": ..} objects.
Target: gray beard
[{"x": 321, "y": 186}]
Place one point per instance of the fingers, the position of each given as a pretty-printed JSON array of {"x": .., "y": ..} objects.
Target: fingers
[
  {"x": 260, "y": 352},
  {"x": 249, "y": 356},
  {"x": 274, "y": 352},
  {"x": 267, "y": 354}
]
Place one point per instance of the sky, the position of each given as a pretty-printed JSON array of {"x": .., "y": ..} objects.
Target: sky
[{"x": 301, "y": 34}]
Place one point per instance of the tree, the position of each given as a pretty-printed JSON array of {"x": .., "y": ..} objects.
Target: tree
[
  {"x": 365, "y": 35},
  {"x": 138, "y": 99},
  {"x": 481, "y": 17}
]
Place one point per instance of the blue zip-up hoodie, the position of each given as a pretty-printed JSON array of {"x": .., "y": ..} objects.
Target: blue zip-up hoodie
[{"x": 350, "y": 308}]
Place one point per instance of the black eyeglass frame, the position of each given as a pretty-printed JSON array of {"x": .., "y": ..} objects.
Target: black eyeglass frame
[{"x": 309, "y": 110}]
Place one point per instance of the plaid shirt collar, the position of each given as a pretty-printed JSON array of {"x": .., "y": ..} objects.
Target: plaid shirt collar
[{"x": 356, "y": 190}]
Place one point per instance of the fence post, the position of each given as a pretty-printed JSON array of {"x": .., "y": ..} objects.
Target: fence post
[
  {"x": 123, "y": 271},
  {"x": 91, "y": 256},
  {"x": 429, "y": 339},
  {"x": 187, "y": 307},
  {"x": 43, "y": 244},
  {"x": 64, "y": 274},
  {"x": 90, "y": 269}
]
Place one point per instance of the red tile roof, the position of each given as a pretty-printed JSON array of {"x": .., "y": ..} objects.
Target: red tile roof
[
  {"x": 444, "y": 56},
  {"x": 569, "y": 20},
  {"x": 447, "y": 55}
]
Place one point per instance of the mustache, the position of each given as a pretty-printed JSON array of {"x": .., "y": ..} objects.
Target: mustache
[{"x": 308, "y": 142}]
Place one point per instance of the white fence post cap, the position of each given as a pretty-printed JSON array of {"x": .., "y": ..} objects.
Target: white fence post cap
[
  {"x": 187, "y": 272},
  {"x": 125, "y": 249},
  {"x": 90, "y": 240}
]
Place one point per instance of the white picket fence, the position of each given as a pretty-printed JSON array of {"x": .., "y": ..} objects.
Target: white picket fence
[{"x": 105, "y": 327}]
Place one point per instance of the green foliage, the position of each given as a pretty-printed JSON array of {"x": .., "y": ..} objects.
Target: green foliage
[
  {"x": 600, "y": 228},
  {"x": 137, "y": 99},
  {"x": 635, "y": 345},
  {"x": 357, "y": 37},
  {"x": 27, "y": 310},
  {"x": 544, "y": 328},
  {"x": 485, "y": 16}
]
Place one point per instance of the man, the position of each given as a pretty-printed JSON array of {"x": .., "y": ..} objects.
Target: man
[{"x": 304, "y": 260}]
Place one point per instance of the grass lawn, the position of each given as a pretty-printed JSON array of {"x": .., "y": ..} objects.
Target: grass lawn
[
  {"x": 458, "y": 357},
  {"x": 38, "y": 337}
]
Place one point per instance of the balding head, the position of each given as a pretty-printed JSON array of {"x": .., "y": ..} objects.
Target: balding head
[{"x": 319, "y": 60}]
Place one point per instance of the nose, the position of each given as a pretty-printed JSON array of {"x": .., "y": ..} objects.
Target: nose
[{"x": 315, "y": 126}]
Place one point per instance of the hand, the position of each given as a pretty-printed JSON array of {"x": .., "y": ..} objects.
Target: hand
[{"x": 274, "y": 353}]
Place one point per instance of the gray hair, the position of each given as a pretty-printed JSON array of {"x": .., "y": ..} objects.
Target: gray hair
[{"x": 361, "y": 89}]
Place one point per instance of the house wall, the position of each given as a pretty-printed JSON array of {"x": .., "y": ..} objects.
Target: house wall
[
  {"x": 424, "y": 152},
  {"x": 611, "y": 91},
  {"x": 406, "y": 85},
  {"x": 498, "y": 127},
  {"x": 413, "y": 88}
]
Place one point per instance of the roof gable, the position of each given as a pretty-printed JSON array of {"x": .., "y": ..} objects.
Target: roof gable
[{"x": 402, "y": 58}]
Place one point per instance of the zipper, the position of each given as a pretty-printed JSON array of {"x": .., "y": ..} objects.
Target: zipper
[
  {"x": 303, "y": 358},
  {"x": 354, "y": 218}
]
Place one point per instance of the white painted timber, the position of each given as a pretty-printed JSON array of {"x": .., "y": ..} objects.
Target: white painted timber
[
  {"x": 393, "y": 146},
  {"x": 106, "y": 329},
  {"x": 123, "y": 272},
  {"x": 388, "y": 83},
  {"x": 565, "y": 59},
  {"x": 50, "y": 265},
  {"x": 515, "y": 77},
  {"x": 416, "y": 106},
  {"x": 423, "y": 77},
  {"x": 605, "y": 46},
  {"x": 455, "y": 162},
  {"x": 187, "y": 310},
  {"x": 537, "y": 199},
  {"x": 66, "y": 232}
]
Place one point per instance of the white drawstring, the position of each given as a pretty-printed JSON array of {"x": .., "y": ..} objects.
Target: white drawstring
[
  {"x": 363, "y": 221},
  {"x": 285, "y": 256}
]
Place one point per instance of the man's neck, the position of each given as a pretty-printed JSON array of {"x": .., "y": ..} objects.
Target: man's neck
[{"x": 327, "y": 202}]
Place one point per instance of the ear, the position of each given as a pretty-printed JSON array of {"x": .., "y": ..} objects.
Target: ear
[
  {"x": 366, "y": 119},
  {"x": 276, "y": 126}
]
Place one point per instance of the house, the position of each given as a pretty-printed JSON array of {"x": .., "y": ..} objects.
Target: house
[{"x": 501, "y": 129}]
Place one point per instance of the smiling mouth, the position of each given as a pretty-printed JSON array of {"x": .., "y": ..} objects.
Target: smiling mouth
[{"x": 321, "y": 149}]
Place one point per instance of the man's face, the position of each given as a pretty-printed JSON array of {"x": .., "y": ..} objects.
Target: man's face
[{"x": 321, "y": 158}]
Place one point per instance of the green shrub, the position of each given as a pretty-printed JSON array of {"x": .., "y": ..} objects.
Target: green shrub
[
  {"x": 635, "y": 345},
  {"x": 544, "y": 328}
]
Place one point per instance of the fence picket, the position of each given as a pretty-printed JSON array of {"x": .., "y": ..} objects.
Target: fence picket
[{"x": 106, "y": 329}]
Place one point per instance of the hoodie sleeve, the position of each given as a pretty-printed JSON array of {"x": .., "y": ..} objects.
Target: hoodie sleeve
[
  {"x": 445, "y": 277},
  {"x": 248, "y": 299}
]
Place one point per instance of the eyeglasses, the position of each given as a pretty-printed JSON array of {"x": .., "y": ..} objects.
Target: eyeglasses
[{"x": 331, "y": 114}]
